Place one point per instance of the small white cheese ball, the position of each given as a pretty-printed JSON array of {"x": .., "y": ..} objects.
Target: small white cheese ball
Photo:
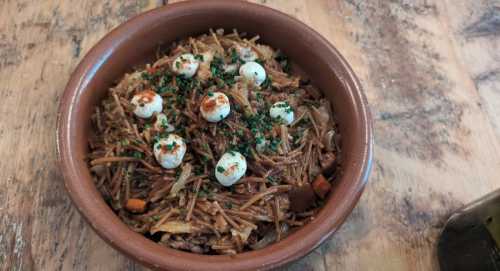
[
  {"x": 283, "y": 111},
  {"x": 246, "y": 53},
  {"x": 146, "y": 103},
  {"x": 215, "y": 106},
  {"x": 230, "y": 168},
  {"x": 253, "y": 71},
  {"x": 161, "y": 123},
  {"x": 170, "y": 151},
  {"x": 186, "y": 65}
]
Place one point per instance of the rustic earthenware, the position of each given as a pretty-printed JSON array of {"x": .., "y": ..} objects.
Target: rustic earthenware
[{"x": 134, "y": 43}]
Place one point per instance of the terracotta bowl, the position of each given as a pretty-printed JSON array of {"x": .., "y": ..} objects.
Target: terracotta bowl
[{"x": 134, "y": 43}]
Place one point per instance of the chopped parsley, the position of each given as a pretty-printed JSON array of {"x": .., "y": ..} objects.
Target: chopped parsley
[
  {"x": 267, "y": 83},
  {"x": 204, "y": 159},
  {"x": 244, "y": 147},
  {"x": 234, "y": 56},
  {"x": 205, "y": 146},
  {"x": 180, "y": 99},
  {"x": 184, "y": 84},
  {"x": 296, "y": 137},
  {"x": 199, "y": 57},
  {"x": 165, "y": 89},
  {"x": 282, "y": 104},
  {"x": 205, "y": 192},
  {"x": 221, "y": 77},
  {"x": 258, "y": 95},
  {"x": 217, "y": 67},
  {"x": 202, "y": 194},
  {"x": 278, "y": 120},
  {"x": 178, "y": 172},
  {"x": 226, "y": 132},
  {"x": 171, "y": 146},
  {"x": 146, "y": 76},
  {"x": 164, "y": 123},
  {"x": 272, "y": 180},
  {"x": 220, "y": 169},
  {"x": 283, "y": 61},
  {"x": 137, "y": 154},
  {"x": 210, "y": 94},
  {"x": 274, "y": 143},
  {"x": 136, "y": 141},
  {"x": 159, "y": 80},
  {"x": 259, "y": 122},
  {"x": 198, "y": 170}
]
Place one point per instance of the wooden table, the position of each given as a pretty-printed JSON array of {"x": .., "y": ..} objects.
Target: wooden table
[{"x": 430, "y": 69}]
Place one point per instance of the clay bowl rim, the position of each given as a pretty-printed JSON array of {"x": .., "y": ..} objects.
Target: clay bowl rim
[{"x": 108, "y": 226}]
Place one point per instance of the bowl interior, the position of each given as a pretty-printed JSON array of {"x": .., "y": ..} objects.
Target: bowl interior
[{"x": 136, "y": 43}]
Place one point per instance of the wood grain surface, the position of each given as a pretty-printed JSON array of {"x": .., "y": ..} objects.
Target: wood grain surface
[{"x": 430, "y": 69}]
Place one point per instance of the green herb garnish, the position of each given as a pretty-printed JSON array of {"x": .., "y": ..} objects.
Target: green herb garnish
[
  {"x": 283, "y": 61},
  {"x": 146, "y": 76},
  {"x": 165, "y": 89},
  {"x": 137, "y": 154},
  {"x": 267, "y": 83},
  {"x": 272, "y": 180},
  {"x": 202, "y": 194},
  {"x": 198, "y": 170},
  {"x": 164, "y": 123},
  {"x": 204, "y": 159},
  {"x": 171, "y": 146},
  {"x": 274, "y": 143},
  {"x": 185, "y": 84},
  {"x": 221, "y": 77},
  {"x": 234, "y": 56}
]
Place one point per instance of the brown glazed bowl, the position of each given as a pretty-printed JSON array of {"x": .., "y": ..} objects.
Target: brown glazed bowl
[{"x": 134, "y": 43}]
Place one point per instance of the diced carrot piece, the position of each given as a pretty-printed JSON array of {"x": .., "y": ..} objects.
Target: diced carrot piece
[
  {"x": 135, "y": 205},
  {"x": 321, "y": 186}
]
